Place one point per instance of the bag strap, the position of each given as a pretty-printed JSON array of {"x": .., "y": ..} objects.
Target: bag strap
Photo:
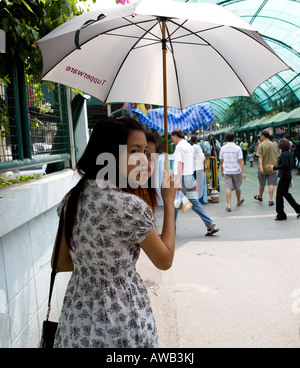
[{"x": 55, "y": 258}]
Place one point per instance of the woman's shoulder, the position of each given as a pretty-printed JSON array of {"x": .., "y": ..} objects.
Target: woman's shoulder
[
  {"x": 132, "y": 201},
  {"x": 116, "y": 197}
]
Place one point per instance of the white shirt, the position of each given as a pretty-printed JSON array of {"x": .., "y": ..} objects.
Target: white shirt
[
  {"x": 198, "y": 157},
  {"x": 231, "y": 154},
  {"x": 184, "y": 153}
]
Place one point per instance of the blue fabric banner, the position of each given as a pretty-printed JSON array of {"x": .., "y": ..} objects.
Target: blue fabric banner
[{"x": 191, "y": 118}]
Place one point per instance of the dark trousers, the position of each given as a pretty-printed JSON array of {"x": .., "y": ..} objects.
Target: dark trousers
[
  {"x": 245, "y": 155},
  {"x": 283, "y": 192}
]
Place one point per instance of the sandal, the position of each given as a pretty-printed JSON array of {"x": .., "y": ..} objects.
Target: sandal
[
  {"x": 211, "y": 232},
  {"x": 271, "y": 203},
  {"x": 241, "y": 202},
  {"x": 258, "y": 198},
  {"x": 228, "y": 209}
]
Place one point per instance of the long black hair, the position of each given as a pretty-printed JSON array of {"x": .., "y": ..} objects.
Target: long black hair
[{"x": 108, "y": 134}]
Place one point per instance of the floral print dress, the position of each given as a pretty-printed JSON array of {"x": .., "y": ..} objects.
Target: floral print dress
[{"x": 106, "y": 303}]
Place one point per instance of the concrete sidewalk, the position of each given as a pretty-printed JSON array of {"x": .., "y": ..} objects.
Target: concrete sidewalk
[{"x": 240, "y": 288}]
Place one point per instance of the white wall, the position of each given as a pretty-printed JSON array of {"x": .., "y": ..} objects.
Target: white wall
[{"x": 28, "y": 224}]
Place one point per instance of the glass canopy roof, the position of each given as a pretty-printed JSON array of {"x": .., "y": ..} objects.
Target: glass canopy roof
[{"x": 278, "y": 21}]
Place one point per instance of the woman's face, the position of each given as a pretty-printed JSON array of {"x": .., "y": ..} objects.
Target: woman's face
[
  {"x": 133, "y": 162},
  {"x": 152, "y": 153}
]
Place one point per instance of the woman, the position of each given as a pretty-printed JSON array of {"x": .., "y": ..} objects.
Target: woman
[
  {"x": 285, "y": 174},
  {"x": 244, "y": 147},
  {"x": 148, "y": 192},
  {"x": 106, "y": 303}
]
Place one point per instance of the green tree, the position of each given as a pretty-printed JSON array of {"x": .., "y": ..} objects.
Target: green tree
[
  {"x": 242, "y": 110},
  {"x": 26, "y": 21}
]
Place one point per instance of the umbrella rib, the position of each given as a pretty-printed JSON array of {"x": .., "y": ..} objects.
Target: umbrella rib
[
  {"x": 138, "y": 24},
  {"x": 135, "y": 37},
  {"x": 209, "y": 44},
  {"x": 107, "y": 32},
  {"x": 123, "y": 62}
]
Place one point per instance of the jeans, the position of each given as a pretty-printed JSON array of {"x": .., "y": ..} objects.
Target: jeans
[
  {"x": 188, "y": 189},
  {"x": 198, "y": 208}
]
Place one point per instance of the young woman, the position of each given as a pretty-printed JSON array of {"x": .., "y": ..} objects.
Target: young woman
[
  {"x": 149, "y": 194},
  {"x": 106, "y": 303},
  {"x": 285, "y": 164}
]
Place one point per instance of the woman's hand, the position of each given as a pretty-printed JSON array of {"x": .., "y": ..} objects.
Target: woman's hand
[
  {"x": 168, "y": 188},
  {"x": 161, "y": 250}
]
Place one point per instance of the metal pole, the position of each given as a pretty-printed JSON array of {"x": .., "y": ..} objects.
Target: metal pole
[
  {"x": 14, "y": 111},
  {"x": 164, "y": 52},
  {"x": 71, "y": 133},
  {"x": 108, "y": 109},
  {"x": 23, "y": 108}
]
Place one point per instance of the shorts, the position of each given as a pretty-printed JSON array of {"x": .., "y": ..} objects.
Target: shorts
[
  {"x": 267, "y": 179},
  {"x": 233, "y": 182}
]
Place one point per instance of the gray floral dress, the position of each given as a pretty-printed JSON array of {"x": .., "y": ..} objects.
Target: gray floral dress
[{"x": 106, "y": 303}]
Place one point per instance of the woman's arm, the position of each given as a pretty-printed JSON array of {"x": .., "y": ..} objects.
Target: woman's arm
[
  {"x": 161, "y": 250},
  {"x": 283, "y": 164}
]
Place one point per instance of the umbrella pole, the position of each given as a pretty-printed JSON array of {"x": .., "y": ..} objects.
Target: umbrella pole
[{"x": 164, "y": 51}]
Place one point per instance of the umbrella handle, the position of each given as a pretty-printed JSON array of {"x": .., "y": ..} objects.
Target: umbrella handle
[{"x": 86, "y": 24}]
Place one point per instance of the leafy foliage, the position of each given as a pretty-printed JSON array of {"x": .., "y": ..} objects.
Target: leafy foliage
[
  {"x": 5, "y": 182},
  {"x": 242, "y": 110}
]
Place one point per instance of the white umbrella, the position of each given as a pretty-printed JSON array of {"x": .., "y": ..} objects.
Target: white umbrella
[{"x": 116, "y": 54}]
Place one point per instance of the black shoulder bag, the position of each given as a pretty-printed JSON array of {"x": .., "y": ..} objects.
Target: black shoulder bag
[{"x": 49, "y": 327}]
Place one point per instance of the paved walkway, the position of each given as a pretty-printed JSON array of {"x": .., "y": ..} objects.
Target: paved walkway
[{"x": 240, "y": 288}]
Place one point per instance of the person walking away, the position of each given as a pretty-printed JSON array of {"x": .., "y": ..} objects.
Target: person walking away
[
  {"x": 285, "y": 165},
  {"x": 232, "y": 169},
  {"x": 198, "y": 165},
  {"x": 184, "y": 179},
  {"x": 244, "y": 147},
  {"x": 106, "y": 304},
  {"x": 267, "y": 154}
]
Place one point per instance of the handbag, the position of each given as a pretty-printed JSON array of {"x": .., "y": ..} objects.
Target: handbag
[
  {"x": 60, "y": 262},
  {"x": 63, "y": 260}
]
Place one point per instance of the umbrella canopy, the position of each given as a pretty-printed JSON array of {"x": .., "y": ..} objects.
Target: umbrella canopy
[
  {"x": 191, "y": 118},
  {"x": 116, "y": 54}
]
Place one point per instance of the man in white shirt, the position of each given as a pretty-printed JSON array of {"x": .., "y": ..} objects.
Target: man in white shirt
[
  {"x": 183, "y": 171},
  {"x": 232, "y": 169},
  {"x": 199, "y": 159}
]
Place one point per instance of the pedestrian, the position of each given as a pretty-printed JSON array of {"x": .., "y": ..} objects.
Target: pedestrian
[
  {"x": 106, "y": 303},
  {"x": 183, "y": 171},
  {"x": 198, "y": 165},
  {"x": 212, "y": 152},
  {"x": 232, "y": 169},
  {"x": 251, "y": 158},
  {"x": 297, "y": 154},
  {"x": 267, "y": 154},
  {"x": 244, "y": 147},
  {"x": 284, "y": 167}
]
